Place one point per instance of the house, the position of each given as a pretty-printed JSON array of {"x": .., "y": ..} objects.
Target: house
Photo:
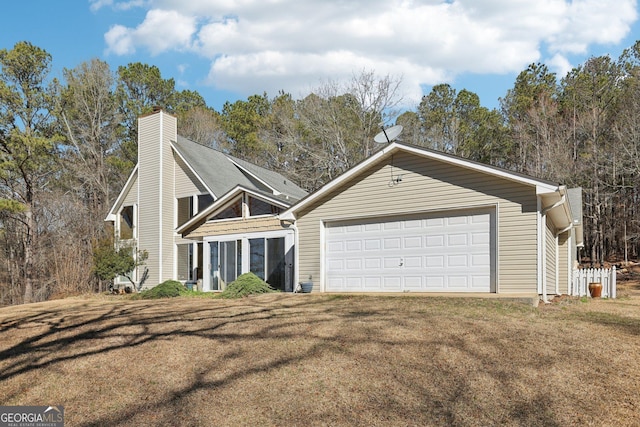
[
  {"x": 176, "y": 180},
  {"x": 410, "y": 219},
  {"x": 406, "y": 219}
]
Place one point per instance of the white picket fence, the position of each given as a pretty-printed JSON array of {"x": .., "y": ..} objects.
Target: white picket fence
[{"x": 582, "y": 278}]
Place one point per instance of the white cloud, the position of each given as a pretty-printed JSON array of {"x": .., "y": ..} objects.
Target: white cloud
[
  {"x": 119, "y": 40},
  {"x": 257, "y": 45},
  {"x": 560, "y": 65},
  {"x": 121, "y": 5},
  {"x": 161, "y": 31}
]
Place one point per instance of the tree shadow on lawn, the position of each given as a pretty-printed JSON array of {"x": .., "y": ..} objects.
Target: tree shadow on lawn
[
  {"x": 65, "y": 336},
  {"x": 625, "y": 324},
  {"x": 407, "y": 375}
]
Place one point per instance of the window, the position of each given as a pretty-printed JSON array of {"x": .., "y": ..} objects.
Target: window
[
  {"x": 259, "y": 207},
  {"x": 185, "y": 209},
  {"x": 185, "y": 261},
  {"x": 232, "y": 211},
  {"x": 126, "y": 223},
  {"x": 256, "y": 257},
  {"x": 190, "y": 261},
  {"x": 204, "y": 201}
]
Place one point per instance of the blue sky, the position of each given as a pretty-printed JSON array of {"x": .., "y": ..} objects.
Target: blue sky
[{"x": 230, "y": 49}]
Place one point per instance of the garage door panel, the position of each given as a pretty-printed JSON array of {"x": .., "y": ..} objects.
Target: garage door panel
[
  {"x": 457, "y": 239},
  {"x": 480, "y": 260},
  {"x": 435, "y": 261},
  {"x": 480, "y": 239},
  {"x": 439, "y": 254},
  {"x": 413, "y": 282},
  {"x": 353, "y": 246},
  {"x": 391, "y": 243},
  {"x": 457, "y": 261},
  {"x": 372, "y": 244},
  {"x": 434, "y": 282},
  {"x": 413, "y": 262},
  {"x": 457, "y": 220},
  {"x": 392, "y": 262},
  {"x": 354, "y": 283},
  {"x": 354, "y": 264},
  {"x": 372, "y": 263},
  {"x": 372, "y": 227},
  {"x": 434, "y": 241},
  {"x": 391, "y": 226},
  {"x": 392, "y": 283},
  {"x": 434, "y": 222},
  {"x": 335, "y": 264},
  {"x": 412, "y": 242},
  {"x": 413, "y": 224},
  {"x": 457, "y": 282},
  {"x": 373, "y": 283}
]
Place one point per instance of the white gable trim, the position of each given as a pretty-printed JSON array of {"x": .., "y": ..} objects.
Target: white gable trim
[
  {"x": 123, "y": 194},
  {"x": 542, "y": 187},
  {"x": 177, "y": 151},
  {"x": 230, "y": 195}
]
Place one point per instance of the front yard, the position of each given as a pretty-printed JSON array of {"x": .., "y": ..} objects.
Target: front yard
[{"x": 325, "y": 360}]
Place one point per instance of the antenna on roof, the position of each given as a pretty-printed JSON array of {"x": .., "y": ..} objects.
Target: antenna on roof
[{"x": 388, "y": 135}]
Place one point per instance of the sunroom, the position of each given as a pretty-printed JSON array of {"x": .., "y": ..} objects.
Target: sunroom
[{"x": 240, "y": 233}]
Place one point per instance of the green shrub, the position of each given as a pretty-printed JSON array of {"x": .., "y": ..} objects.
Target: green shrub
[
  {"x": 167, "y": 289},
  {"x": 246, "y": 284}
]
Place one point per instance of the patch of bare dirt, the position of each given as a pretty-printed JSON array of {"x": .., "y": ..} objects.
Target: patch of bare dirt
[{"x": 324, "y": 360}]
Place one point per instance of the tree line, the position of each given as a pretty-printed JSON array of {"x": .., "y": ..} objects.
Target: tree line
[{"x": 67, "y": 146}]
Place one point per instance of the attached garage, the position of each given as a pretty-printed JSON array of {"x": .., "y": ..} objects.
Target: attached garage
[
  {"x": 444, "y": 252},
  {"x": 410, "y": 219}
]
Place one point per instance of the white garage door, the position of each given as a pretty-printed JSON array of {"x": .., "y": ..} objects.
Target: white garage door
[{"x": 436, "y": 254}]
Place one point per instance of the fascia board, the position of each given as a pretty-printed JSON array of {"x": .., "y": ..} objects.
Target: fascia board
[
  {"x": 125, "y": 190},
  {"x": 290, "y": 213},
  {"x": 540, "y": 186}
]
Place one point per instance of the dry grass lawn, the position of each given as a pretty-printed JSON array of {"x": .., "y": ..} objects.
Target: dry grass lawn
[{"x": 287, "y": 360}]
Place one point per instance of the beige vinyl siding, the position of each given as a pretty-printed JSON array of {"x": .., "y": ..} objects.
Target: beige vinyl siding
[
  {"x": 132, "y": 196},
  {"x": 169, "y": 133},
  {"x": 148, "y": 194},
  {"x": 155, "y": 190},
  {"x": 186, "y": 182},
  {"x": 564, "y": 264},
  {"x": 235, "y": 226},
  {"x": 551, "y": 250},
  {"x": 429, "y": 185}
]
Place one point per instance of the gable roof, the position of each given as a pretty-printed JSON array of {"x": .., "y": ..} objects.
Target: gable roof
[
  {"x": 203, "y": 216},
  {"x": 125, "y": 190},
  {"x": 542, "y": 186},
  {"x": 210, "y": 164}
]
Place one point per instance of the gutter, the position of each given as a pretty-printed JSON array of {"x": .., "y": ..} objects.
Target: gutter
[{"x": 296, "y": 257}]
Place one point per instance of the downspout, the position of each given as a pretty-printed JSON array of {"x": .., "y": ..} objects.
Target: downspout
[
  {"x": 296, "y": 257},
  {"x": 569, "y": 261},
  {"x": 540, "y": 252},
  {"x": 543, "y": 240},
  {"x": 557, "y": 267}
]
